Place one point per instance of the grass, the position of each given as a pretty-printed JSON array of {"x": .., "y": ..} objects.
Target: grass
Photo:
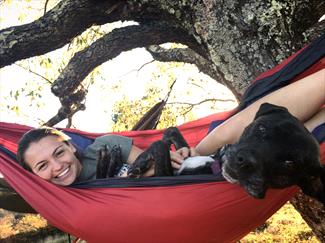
[{"x": 284, "y": 226}]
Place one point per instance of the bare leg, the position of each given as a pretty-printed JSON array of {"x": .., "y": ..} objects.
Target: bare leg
[
  {"x": 316, "y": 120},
  {"x": 302, "y": 98}
]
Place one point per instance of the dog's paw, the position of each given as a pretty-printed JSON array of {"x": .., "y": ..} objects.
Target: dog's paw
[
  {"x": 103, "y": 161},
  {"x": 134, "y": 172}
]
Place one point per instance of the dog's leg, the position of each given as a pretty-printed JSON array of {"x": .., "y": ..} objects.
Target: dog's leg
[
  {"x": 163, "y": 166},
  {"x": 158, "y": 155},
  {"x": 142, "y": 164},
  {"x": 173, "y": 136},
  {"x": 115, "y": 161},
  {"x": 108, "y": 161},
  {"x": 103, "y": 160}
]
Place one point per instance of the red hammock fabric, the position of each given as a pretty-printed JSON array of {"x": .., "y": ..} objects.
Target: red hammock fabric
[
  {"x": 205, "y": 212},
  {"x": 201, "y": 212}
]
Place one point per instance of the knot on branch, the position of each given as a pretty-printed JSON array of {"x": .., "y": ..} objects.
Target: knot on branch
[
  {"x": 71, "y": 103},
  {"x": 63, "y": 87},
  {"x": 74, "y": 99}
]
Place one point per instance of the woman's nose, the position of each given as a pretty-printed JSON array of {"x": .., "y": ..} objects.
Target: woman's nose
[{"x": 56, "y": 165}]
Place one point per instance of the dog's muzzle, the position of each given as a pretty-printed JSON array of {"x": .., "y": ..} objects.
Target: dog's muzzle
[{"x": 222, "y": 155}]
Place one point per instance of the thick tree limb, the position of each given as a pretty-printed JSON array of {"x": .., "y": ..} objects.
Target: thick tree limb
[
  {"x": 244, "y": 38},
  {"x": 315, "y": 31},
  {"x": 55, "y": 29},
  {"x": 110, "y": 46},
  {"x": 104, "y": 49}
]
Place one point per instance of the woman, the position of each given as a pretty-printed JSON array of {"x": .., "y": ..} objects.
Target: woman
[
  {"x": 56, "y": 159},
  {"x": 49, "y": 153}
]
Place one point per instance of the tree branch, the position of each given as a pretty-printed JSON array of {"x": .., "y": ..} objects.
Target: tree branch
[
  {"x": 106, "y": 48},
  {"x": 45, "y": 6},
  {"x": 199, "y": 103},
  {"x": 110, "y": 46},
  {"x": 70, "y": 105},
  {"x": 56, "y": 28},
  {"x": 33, "y": 72}
]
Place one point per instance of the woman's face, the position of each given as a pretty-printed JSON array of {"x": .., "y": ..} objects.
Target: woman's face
[{"x": 53, "y": 160}]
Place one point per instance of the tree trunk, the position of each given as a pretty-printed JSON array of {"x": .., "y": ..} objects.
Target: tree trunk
[{"x": 232, "y": 41}]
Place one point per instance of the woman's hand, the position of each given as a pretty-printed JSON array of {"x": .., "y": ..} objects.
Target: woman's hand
[{"x": 178, "y": 156}]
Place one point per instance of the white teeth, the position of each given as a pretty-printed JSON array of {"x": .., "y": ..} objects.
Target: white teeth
[{"x": 63, "y": 172}]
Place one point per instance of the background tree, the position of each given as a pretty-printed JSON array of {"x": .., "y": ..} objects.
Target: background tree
[{"x": 231, "y": 41}]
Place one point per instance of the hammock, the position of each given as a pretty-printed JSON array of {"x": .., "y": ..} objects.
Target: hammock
[{"x": 199, "y": 208}]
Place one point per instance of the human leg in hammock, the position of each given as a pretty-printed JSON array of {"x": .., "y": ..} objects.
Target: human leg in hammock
[
  {"x": 316, "y": 120},
  {"x": 302, "y": 98},
  {"x": 274, "y": 151}
]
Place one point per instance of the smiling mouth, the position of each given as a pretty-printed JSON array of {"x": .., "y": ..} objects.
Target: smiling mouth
[{"x": 63, "y": 173}]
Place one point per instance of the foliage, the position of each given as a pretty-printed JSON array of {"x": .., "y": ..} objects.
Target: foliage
[
  {"x": 193, "y": 95},
  {"x": 25, "y": 86},
  {"x": 14, "y": 223},
  {"x": 284, "y": 226}
]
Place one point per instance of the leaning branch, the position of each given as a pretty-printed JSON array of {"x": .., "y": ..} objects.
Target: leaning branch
[
  {"x": 110, "y": 46},
  {"x": 55, "y": 29},
  {"x": 104, "y": 49}
]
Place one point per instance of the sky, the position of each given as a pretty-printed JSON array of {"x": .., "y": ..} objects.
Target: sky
[{"x": 122, "y": 71}]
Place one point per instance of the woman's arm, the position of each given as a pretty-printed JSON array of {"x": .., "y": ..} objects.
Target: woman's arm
[{"x": 302, "y": 98}]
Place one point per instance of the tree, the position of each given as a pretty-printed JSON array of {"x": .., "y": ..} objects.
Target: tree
[{"x": 231, "y": 41}]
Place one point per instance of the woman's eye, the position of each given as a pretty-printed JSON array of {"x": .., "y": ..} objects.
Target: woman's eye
[
  {"x": 42, "y": 166},
  {"x": 59, "y": 153}
]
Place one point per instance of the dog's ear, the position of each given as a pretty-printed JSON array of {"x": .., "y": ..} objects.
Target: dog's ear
[
  {"x": 267, "y": 108},
  {"x": 315, "y": 186}
]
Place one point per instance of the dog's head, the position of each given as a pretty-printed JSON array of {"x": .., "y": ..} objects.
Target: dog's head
[{"x": 275, "y": 151}]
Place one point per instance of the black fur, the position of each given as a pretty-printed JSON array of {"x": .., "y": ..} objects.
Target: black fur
[
  {"x": 275, "y": 151},
  {"x": 157, "y": 153}
]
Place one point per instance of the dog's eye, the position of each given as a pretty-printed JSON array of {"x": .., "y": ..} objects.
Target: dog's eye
[
  {"x": 261, "y": 128},
  {"x": 289, "y": 163},
  {"x": 246, "y": 166}
]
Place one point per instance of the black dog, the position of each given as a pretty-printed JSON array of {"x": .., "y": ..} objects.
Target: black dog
[
  {"x": 158, "y": 153},
  {"x": 275, "y": 151}
]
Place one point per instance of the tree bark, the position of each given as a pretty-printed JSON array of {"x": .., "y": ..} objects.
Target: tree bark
[
  {"x": 55, "y": 29},
  {"x": 232, "y": 41}
]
